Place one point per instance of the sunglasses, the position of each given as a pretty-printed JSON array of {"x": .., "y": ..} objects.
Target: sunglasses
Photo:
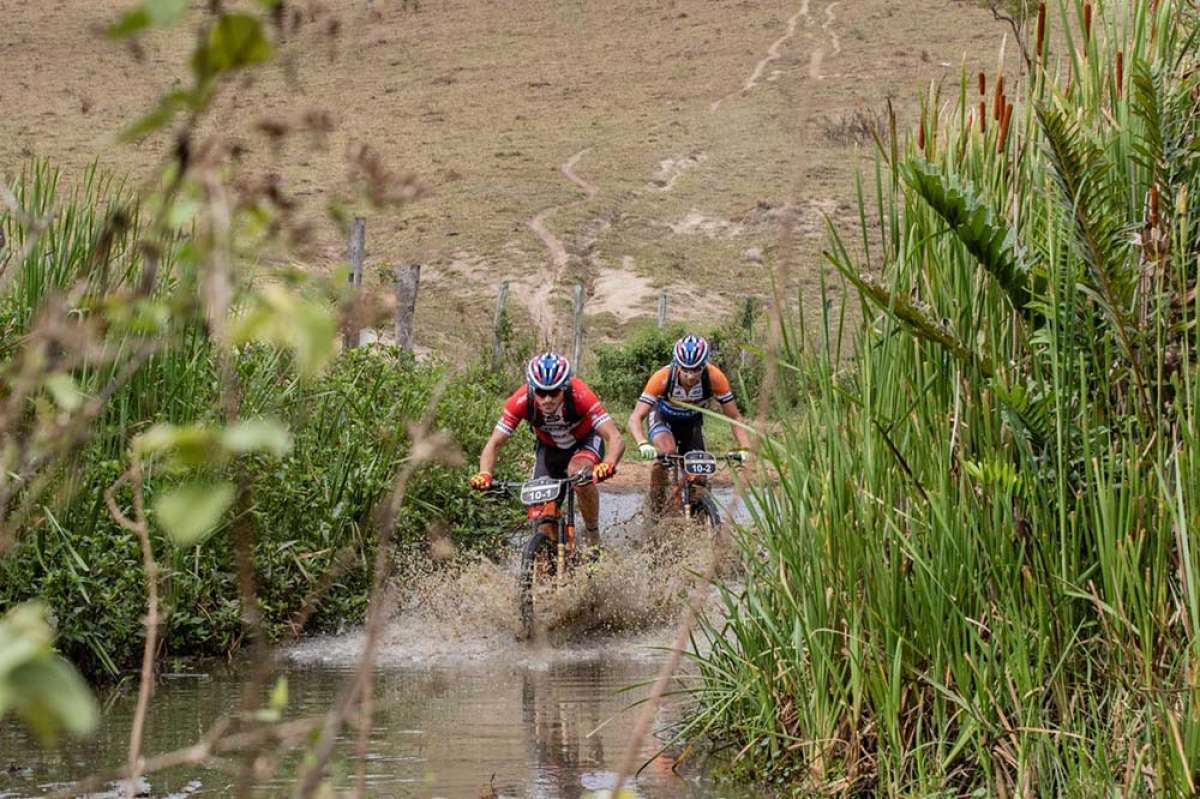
[{"x": 541, "y": 392}]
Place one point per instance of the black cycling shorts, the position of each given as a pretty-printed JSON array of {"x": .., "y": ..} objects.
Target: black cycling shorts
[
  {"x": 689, "y": 433},
  {"x": 552, "y": 461}
]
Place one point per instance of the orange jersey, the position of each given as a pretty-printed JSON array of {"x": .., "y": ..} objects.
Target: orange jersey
[{"x": 713, "y": 384}]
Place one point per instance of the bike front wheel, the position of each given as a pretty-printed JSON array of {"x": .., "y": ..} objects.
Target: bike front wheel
[
  {"x": 705, "y": 512},
  {"x": 539, "y": 567}
]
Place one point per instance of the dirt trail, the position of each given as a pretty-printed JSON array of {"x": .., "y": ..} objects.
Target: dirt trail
[
  {"x": 543, "y": 291},
  {"x": 568, "y": 169},
  {"x": 772, "y": 54},
  {"x": 828, "y": 28}
]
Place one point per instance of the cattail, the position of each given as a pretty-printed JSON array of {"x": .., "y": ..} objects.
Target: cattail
[
  {"x": 1120, "y": 72},
  {"x": 1002, "y": 139},
  {"x": 1087, "y": 22},
  {"x": 921, "y": 135},
  {"x": 998, "y": 103},
  {"x": 983, "y": 116},
  {"x": 982, "y": 84},
  {"x": 1041, "y": 27}
]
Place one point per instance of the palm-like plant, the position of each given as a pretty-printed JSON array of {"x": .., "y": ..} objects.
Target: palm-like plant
[{"x": 978, "y": 571}]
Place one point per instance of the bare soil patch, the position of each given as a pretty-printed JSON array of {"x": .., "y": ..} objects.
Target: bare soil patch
[{"x": 597, "y": 117}]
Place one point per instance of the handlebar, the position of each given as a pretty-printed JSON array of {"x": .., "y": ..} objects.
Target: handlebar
[
  {"x": 675, "y": 457},
  {"x": 505, "y": 487}
]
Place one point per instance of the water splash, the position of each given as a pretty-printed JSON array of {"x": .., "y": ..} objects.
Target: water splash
[{"x": 625, "y": 604}]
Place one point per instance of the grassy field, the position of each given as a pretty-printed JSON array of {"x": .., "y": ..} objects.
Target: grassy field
[{"x": 711, "y": 138}]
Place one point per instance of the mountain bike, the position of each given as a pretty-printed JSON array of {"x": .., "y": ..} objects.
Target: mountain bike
[
  {"x": 689, "y": 488},
  {"x": 549, "y": 552}
]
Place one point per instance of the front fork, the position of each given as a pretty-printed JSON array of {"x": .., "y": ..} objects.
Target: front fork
[
  {"x": 685, "y": 492},
  {"x": 566, "y": 537},
  {"x": 562, "y": 553}
]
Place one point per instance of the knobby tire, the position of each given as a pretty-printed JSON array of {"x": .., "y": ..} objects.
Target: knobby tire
[
  {"x": 706, "y": 512},
  {"x": 539, "y": 558}
]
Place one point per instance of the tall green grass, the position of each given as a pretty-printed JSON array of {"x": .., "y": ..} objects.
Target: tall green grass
[
  {"x": 978, "y": 574},
  {"x": 312, "y": 509}
]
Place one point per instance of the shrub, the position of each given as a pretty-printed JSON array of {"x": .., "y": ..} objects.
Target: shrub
[
  {"x": 622, "y": 369},
  {"x": 311, "y": 510}
]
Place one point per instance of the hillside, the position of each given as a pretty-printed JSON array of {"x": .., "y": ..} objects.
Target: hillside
[{"x": 685, "y": 145}]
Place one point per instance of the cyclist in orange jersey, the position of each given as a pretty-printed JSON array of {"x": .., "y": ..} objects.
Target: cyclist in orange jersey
[{"x": 691, "y": 379}]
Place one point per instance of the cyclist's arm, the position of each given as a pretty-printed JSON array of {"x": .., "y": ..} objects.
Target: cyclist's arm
[
  {"x": 614, "y": 442},
  {"x": 637, "y": 420},
  {"x": 723, "y": 393},
  {"x": 487, "y": 458},
  {"x": 510, "y": 418},
  {"x": 655, "y": 388},
  {"x": 730, "y": 409}
]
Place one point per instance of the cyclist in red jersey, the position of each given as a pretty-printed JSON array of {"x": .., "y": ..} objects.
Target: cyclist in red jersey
[{"x": 574, "y": 433}]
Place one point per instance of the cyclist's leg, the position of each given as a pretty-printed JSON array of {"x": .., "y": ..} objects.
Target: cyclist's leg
[
  {"x": 587, "y": 454},
  {"x": 663, "y": 440},
  {"x": 689, "y": 435},
  {"x": 548, "y": 462}
]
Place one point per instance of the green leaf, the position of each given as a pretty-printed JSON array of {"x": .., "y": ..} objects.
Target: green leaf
[
  {"x": 983, "y": 233},
  {"x": 236, "y": 41},
  {"x": 190, "y": 445},
  {"x": 66, "y": 394},
  {"x": 258, "y": 435},
  {"x": 166, "y": 12},
  {"x": 168, "y": 105},
  {"x": 283, "y": 318},
  {"x": 48, "y": 694},
  {"x": 277, "y": 704},
  {"x": 24, "y": 634},
  {"x": 918, "y": 319},
  {"x": 156, "y": 13},
  {"x": 130, "y": 23},
  {"x": 191, "y": 512},
  {"x": 38, "y": 685},
  {"x": 279, "y": 695}
]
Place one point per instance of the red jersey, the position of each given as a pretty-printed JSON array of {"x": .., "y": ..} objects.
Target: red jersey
[{"x": 578, "y": 416}]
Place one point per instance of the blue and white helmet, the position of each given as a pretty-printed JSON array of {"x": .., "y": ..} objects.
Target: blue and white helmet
[
  {"x": 548, "y": 371},
  {"x": 691, "y": 352}
]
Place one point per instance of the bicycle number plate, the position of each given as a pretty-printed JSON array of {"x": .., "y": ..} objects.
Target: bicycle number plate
[
  {"x": 699, "y": 462},
  {"x": 540, "y": 490}
]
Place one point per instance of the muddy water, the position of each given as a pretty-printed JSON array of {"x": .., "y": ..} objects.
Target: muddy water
[{"x": 461, "y": 708}]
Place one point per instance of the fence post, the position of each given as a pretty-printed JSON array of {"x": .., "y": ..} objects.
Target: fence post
[
  {"x": 498, "y": 325},
  {"x": 748, "y": 309},
  {"x": 354, "y": 251},
  {"x": 407, "y": 278},
  {"x": 577, "y": 349},
  {"x": 662, "y": 309}
]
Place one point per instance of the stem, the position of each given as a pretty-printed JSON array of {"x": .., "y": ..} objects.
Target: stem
[{"x": 146, "y": 685}]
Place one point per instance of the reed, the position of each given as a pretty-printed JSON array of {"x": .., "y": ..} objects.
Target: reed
[{"x": 978, "y": 573}]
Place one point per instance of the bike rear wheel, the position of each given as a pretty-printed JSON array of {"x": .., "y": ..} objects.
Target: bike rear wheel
[{"x": 539, "y": 566}]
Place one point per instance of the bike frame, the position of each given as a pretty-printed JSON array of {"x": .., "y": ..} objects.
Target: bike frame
[
  {"x": 683, "y": 483},
  {"x": 544, "y": 503},
  {"x": 564, "y": 528},
  {"x": 551, "y": 513}
]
